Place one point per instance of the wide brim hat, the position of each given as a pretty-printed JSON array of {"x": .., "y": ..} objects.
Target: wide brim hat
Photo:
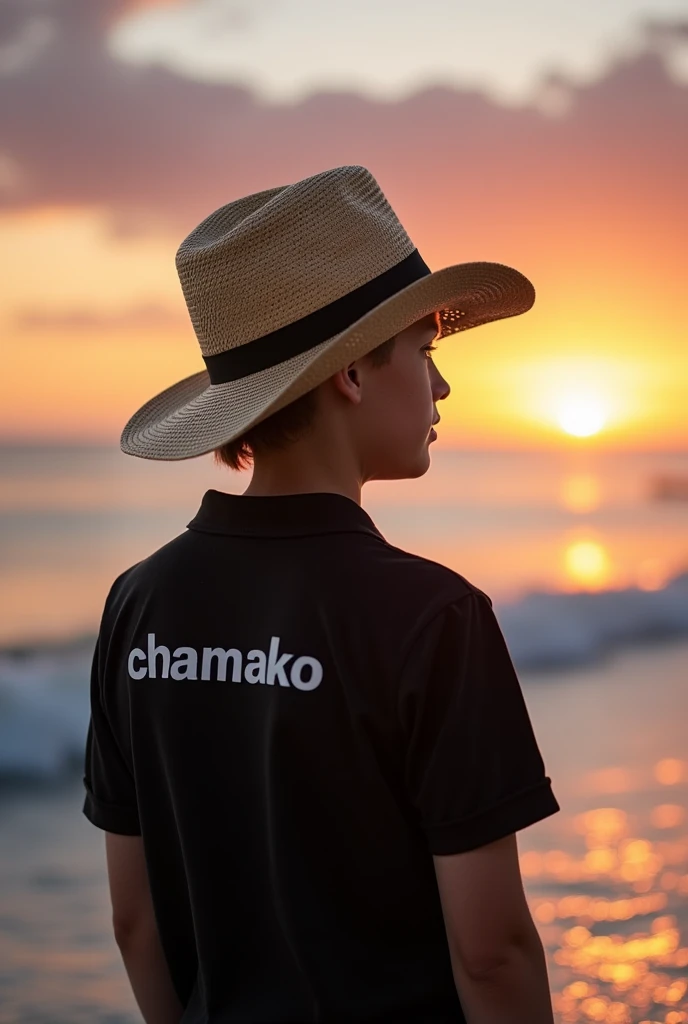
[{"x": 286, "y": 286}]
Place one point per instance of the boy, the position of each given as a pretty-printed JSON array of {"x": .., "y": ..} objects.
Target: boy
[{"x": 308, "y": 748}]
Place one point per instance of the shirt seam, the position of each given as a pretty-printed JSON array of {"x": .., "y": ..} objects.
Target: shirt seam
[
  {"x": 99, "y": 811},
  {"x": 545, "y": 783},
  {"x": 523, "y": 808},
  {"x": 425, "y": 623}
]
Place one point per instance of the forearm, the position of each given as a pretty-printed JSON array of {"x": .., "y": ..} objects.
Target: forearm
[
  {"x": 516, "y": 992},
  {"x": 149, "y": 976}
]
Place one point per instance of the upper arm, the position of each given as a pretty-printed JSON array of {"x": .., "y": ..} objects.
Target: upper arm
[
  {"x": 474, "y": 776},
  {"x": 110, "y": 800},
  {"x": 483, "y": 903},
  {"x": 473, "y": 769},
  {"x": 132, "y": 905}
]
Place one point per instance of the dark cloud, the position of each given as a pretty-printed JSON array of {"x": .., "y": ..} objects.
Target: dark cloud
[
  {"x": 156, "y": 148},
  {"x": 12, "y": 20},
  {"x": 666, "y": 35}
]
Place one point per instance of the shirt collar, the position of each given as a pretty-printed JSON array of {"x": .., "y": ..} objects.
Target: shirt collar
[{"x": 281, "y": 515}]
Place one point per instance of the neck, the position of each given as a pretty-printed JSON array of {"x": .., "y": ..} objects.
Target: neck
[{"x": 308, "y": 465}]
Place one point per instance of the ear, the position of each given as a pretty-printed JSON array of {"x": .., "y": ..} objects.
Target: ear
[{"x": 347, "y": 381}]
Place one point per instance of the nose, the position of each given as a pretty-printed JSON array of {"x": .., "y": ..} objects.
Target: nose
[{"x": 440, "y": 387}]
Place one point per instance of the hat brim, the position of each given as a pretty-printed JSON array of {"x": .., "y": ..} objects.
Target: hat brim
[{"x": 193, "y": 416}]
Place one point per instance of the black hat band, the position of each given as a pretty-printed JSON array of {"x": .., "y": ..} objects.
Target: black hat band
[{"x": 295, "y": 338}]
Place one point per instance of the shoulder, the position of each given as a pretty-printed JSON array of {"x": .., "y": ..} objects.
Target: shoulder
[
  {"x": 156, "y": 571},
  {"x": 412, "y": 589},
  {"x": 424, "y": 575}
]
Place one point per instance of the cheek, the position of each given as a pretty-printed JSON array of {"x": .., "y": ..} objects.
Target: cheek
[
  {"x": 405, "y": 401},
  {"x": 419, "y": 390}
]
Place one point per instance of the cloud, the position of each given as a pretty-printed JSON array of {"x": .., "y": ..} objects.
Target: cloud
[
  {"x": 666, "y": 34},
  {"x": 78, "y": 127},
  {"x": 147, "y": 317},
  {"x": 160, "y": 150}
]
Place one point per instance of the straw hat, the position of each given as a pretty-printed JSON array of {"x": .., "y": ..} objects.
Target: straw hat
[{"x": 285, "y": 287}]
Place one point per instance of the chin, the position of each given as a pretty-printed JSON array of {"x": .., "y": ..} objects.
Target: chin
[
  {"x": 418, "y": 467},
  {"x": 407, "y": 469},
  {"x": 423, "y": 464}
]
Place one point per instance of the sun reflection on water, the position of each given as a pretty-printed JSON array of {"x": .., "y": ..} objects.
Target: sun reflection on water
[
  {"x": 612, "y": 910},
  {"x": 588, "y": 564}
]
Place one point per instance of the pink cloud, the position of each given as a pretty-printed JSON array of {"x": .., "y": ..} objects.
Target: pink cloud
[{"x": 472, "y": 178}]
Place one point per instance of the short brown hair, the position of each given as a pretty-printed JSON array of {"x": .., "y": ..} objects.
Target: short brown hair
[{"x": 285, "y": 425}]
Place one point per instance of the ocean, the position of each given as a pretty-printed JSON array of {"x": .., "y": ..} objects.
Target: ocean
[{"x": 585, "y": 556}]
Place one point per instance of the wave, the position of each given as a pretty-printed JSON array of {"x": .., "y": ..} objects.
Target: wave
[
  {"x": 44, "y": 686},
  {"x": 557, "y": 630}
]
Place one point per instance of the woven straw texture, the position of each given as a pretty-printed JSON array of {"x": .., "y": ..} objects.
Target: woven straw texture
[{"x": 271, "y": 258}]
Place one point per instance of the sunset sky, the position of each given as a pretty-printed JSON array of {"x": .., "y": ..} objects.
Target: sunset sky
[{"x": 554, "y": 142}]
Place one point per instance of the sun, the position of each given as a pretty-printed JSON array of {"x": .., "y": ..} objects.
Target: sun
[{"x": 581, "y": 415}]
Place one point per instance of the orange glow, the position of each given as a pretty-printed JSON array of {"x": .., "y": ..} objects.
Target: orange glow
[
  {"x": 616, "y": 966},
  {"x": 580, "y": 493},
  {"x": 611, "y": 780},
  {"x": 587, "y": 563},
  {"x": 616, "y": 973},
  {"x": 652, "y": 574},
  {"x": 604, "y": 824},
  {"x": 667, "y": 816},
  {"x": 512, "y": 385},
  {"x": 671, "y": 771},
  {"x": 599, "y": 862}
]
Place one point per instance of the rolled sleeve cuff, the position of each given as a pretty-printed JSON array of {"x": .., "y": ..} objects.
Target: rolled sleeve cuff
[
  {"x": 510, "y": 815},
  {"x": 111, "y": 817}
]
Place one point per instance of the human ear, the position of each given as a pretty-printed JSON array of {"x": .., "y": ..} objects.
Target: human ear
[{"x": 348, "y": 382}]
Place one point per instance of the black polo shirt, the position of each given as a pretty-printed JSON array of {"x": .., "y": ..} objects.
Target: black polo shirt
[{"x": 295, "y": 715}]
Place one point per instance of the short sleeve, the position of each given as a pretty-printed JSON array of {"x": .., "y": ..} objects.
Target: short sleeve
[
  {"x": 473, "y": 769},
  {"x": 110, "y": 801}
]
